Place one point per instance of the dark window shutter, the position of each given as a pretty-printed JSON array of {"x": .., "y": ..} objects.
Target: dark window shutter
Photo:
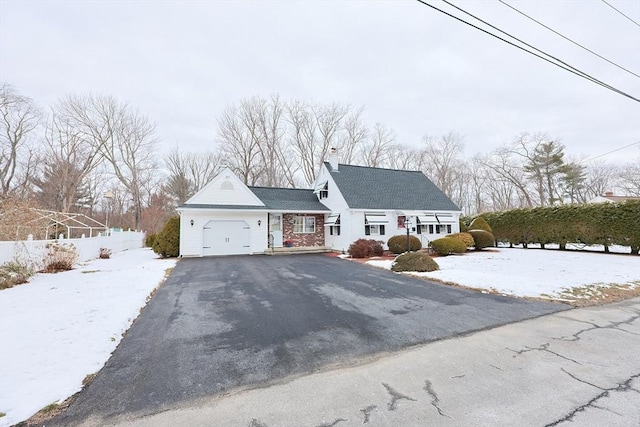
[
  {"x": 419, "y": 229},
  {"x": 367, "y": 231},
  {"x": 430, "y": 229},
  {"x": 337, "y": 230},
  {"x": 448, "y": 228},
  {"x": 382, "y": 230}
]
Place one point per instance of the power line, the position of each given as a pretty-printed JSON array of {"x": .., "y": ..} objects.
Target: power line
[
  {"x": 567, "y": 67},
  {"x": 567, "y": 38},
  {"x": 603, "y": 1},
  {"x": 581, "y": 73},
  {"x": 610, "y": 152}
]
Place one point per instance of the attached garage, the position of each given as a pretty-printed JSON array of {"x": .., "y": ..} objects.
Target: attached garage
[
  {"x": 228, "y": 218},
  {"x": 221, "y": 237}
]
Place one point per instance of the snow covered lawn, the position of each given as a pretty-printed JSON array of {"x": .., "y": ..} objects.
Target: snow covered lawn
[
  {"x": 533, "y": 272},
  {"x": 59, "y": 328}
]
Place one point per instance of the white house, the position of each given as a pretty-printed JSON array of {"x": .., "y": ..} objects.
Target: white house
[
  {"x": 376, "y": 203},
  {"x": 608, "y": 197},
  {"x": 346, "y": 203}
]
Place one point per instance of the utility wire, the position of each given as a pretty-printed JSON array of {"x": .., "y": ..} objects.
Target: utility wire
[
  {"x": 605, "y": 2},
  {"x": 610, "y": 152},
  {"x": 567, "y": 38},
  {"x": 567, "y": 68},
  {"x": 581, "y": 73}
]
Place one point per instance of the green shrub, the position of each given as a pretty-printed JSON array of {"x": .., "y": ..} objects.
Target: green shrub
[
  {"x": 398, "y": 244},
  {"x": 414, "y": 261},
  {"x": 59, "y": 257},
  {"x": 363, "y": 248},
  {"x": 466, "y": 238},
  {"x": 448, "y": 245},
  {"x": 482, "y": 239},
  {"x": 150, "y": 240},
  {"x": 167, "y": 242},
  {"x": 14, "y": 273},
  {"x": 480, "y": 223},
  {"x": 463, "y": 225}
]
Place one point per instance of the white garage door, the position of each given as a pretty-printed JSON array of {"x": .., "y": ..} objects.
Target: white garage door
[{"x": 226, "y": 238}]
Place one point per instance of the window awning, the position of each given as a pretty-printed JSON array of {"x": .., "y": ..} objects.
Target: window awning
[
  {"x": 333, "y": 219},
  {"x": 319, "y": 187},
  {"x": 445, "y": 218},
  {"x": 428, "y": 218},
  {"x": 375, "y": 218}
]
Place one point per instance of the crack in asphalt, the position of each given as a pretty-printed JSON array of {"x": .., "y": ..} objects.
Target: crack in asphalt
[
  {"x": 621, "y": 387},
  {"x": 332, "y": 423},
  {"x": 494, "y": 366},
  {"x": 256, "y": 423},
  {"x": 543, "y": 347},
  {"x": 581, "y": 380},
  {"x": 367, "y": 412},
  {"x": 612, "y": 325},
  {"x": 459, "y": 376},
  {"x": 395, "y": 396},
  {"x": 435, "y": 401}
]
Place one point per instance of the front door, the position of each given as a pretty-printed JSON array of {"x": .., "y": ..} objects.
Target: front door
[{"x": 275, "y": 230}]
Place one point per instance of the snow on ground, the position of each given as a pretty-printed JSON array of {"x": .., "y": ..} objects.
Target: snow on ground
[
  {"x": 532, "y": 272},
  {"x": 59, "y": 328}
]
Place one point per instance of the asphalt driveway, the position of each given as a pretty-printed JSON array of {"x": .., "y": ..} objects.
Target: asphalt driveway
[{"x": 227, "y": 322}]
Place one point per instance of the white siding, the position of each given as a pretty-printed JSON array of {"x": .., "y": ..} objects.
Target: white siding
[
  {"x": 191, "y": 236},
  {"x": 225, "y": 189},
  {"x": 338, "y": 205}
]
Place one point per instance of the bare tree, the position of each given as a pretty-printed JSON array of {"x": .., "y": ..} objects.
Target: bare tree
[
  {"x": 329, "y": 124},
  {"x": 444, "y": 160},
  {"x": 375, "y": 153},
  {"x": 355, "y": 135},
  {"x": 189, "y": 172},
  {"x": 629, "y": 179},
  {"x": 239, "y": 142},
  {"x": 20, "y": 117},
  {"x": 507, "y": 170},
  {"x": 126, "y": 140},
  {"x": 302, "y": 137},
  {"x": 69, "y": 157},
  {"x": 270, "y": 134},
  {"x": 600, "y": 178}
]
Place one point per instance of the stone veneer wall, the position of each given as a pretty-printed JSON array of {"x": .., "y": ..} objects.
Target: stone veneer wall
[{"x": 303, "y": 239}]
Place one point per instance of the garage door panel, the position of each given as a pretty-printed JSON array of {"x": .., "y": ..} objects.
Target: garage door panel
[{"x": 222, "y": 237}]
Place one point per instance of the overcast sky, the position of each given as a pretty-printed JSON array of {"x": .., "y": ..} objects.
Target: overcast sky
[{"x": 412, "y": 68}]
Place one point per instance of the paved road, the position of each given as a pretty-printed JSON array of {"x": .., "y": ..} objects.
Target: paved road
[
  {"x": 579, "y": 368},
  {"x": 227, "y": 322}
]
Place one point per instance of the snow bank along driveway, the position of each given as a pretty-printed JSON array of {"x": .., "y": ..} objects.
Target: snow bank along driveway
[
  {"x": 532, "y": 272},
  {"x": 61, "y": 327}
]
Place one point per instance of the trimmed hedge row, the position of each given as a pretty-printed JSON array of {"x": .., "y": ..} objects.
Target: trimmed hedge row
[{"x": 590, "y": 224}]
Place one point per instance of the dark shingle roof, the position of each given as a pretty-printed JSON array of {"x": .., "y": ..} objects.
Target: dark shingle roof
[
  {"x": 374, "y": 188},
  {"x": 289, "y": 199}
]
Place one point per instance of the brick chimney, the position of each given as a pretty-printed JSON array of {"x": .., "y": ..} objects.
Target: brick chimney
[{"x": 333, "y": 159}]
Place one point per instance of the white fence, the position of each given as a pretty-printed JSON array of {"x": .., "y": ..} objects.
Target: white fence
[{"x": 88, "y": 247}]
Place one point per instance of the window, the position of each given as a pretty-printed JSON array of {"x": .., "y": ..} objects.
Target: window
[
  {"x": 324, "y": 192},
  {"x": 304, "y": 224},
  {"x": 443, "y": 228},
  {"x": 334, "y": 224},
  {"x": 376, "y": 230}
]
